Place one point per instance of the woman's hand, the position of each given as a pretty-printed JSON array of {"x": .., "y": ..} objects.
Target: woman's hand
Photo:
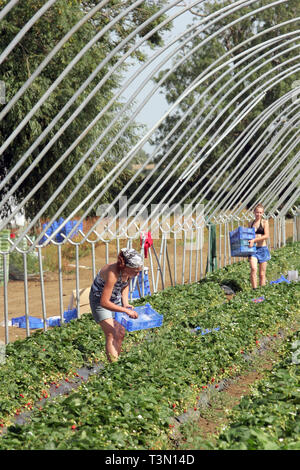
[
  {"x": 251, "y": 243},
  {"x": 130, "y": 312}
]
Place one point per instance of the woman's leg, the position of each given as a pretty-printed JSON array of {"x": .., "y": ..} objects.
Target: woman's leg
[
  {"x": 119, "y": 336},
  {"x": 253, "y": 272},
  {"x": 114, "y": 335},
  {"x": 262, "y": 273},
  {"x": 109, "y": 331}
]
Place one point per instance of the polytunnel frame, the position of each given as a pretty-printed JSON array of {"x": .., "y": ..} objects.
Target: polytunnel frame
[
  {"x": 260, "y": 120},
  {"x": 92, "y": 76},
  {"x": 240, "y": 4},
  {"x": 151, "y": 156},
  {"x": 272, "y": 141},
  {"x": 173, "y": 106},
  {"x": 211, "y": 168},
  {"x": 275, "y": 186},
  {"x": 163, "y": 245},
  {"x": 209, "y": 151}
]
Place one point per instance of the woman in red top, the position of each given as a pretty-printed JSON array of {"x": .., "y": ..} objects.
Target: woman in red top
[{"x": 262, "y": 254}]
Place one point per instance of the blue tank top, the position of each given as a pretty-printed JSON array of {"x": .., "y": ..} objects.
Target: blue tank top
[{"x": 98, "y": 285}]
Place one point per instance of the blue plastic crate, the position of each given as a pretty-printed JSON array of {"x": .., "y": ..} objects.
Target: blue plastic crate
[
  {"x": 281, "y": 279},
  {"x": 33, "y": 322},
  {"x": 148, "y": 318},
  {"x": 70, "y": 315},
  {"x": 203, "y": 331},
  {"x": 243, "y": 233},
  {"x": 242, "y": 251},
  {"x": 69, "y": 226},
  {"x": 54, "y": 321},
  {"x": 239, "y": 239}
]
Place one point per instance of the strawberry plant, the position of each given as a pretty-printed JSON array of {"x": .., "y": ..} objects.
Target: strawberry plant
[
  {"x": 129, "y": 405},
  {"x": 268, "y": 418}
]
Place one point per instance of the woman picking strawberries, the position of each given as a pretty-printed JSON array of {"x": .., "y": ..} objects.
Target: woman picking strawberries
[{"x": 109, "y": 294}]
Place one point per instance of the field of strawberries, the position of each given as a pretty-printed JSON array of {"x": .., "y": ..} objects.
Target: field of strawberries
[{"x": 46, "y": 401}]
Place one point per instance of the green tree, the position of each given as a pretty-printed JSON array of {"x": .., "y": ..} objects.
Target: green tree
[
  {"x": 211, "y": 43},
  {"x": 21, "y": 63}
]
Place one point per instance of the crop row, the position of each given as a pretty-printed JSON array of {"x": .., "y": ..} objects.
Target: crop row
[
  {"x": 131, "y": 403},
  {"x": 268, "y": 418}
]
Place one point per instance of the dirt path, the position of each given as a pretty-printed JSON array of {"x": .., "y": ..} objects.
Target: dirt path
[{"x": 215, "y": 416}]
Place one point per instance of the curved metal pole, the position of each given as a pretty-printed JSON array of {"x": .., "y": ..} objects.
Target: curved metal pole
[
  {"x": 89, "y": 127},
  {"x": 25, "y": 28},
  {"x": 241, "y": 167},
  {"x": 199, "y": 181},
  {"x": 260, "y": 184},
  {"x": 254, "y": 169},
  {"x": 292, "y": 198},
  {"x": 181, "y": 46},
  {"x": 160, "y": 163},
  {"x": 266, "y": 114},
  {"x": 293, "y": 183},
  {"x": 7, "y": 8},
  {"x": 197, "y": 184},
  {"x": 276, "y": 184},
  {"x": 291, "y": 201}
]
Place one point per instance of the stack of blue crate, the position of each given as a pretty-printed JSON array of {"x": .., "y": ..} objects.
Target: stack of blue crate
[{"x": 239, "y": 241}]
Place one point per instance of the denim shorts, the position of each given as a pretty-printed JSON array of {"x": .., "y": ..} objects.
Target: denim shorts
[
  {"x": 100, "y": 313},
  {"x": 262, "y": 254}
]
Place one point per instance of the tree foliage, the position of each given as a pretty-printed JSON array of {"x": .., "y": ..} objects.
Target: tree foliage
[
  {"x": 21, "y": 63},
  {"x": 225, "y": 89}
]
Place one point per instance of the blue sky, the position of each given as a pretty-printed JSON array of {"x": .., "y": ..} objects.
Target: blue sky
[{"x": 157, "y": 105}]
